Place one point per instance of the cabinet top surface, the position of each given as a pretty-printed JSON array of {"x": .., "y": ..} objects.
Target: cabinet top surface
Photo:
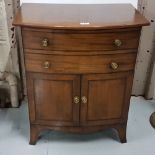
[{"x": 79, "y": 16}]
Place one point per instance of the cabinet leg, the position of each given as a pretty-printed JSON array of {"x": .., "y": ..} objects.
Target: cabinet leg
[
  {"x": 122, "y": 134},
  {"x": 34, "y": 134}
]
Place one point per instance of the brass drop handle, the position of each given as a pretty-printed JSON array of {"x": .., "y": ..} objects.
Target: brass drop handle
[
  {"x": 84, "y": 99},
  {"x": 76, "y": 99},
  {"x": 118, "y": 42},
  {"x": 45, "y": 42},
  {"x": 114, "y": 65},
  {"x": 46, "y": 65}
]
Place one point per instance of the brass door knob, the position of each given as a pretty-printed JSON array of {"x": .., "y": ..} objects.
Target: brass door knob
[
  {"x": 118, "y": 42},
  {"x": 45, "y": 42},
  {"x": 76, "y": 99},
  {"x": 84, "y": 99},
  {"x": 46, "y": 65},
  {"x": 114, "y": 65}
]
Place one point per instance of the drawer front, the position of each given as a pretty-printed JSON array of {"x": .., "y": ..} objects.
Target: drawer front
[
  {"x": 91, "y": 41},
  {"x": 79, "y": 64}
]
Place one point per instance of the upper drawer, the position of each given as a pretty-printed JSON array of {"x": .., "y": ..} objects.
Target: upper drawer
[
  {"x": 80, "y": 64},
  {"x": 80, "y": 40}
]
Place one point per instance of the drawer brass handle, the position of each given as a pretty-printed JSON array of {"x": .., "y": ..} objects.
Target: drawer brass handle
[
  {"x": 118, "y": 42},
  {"x": 46, "y": 65},
  {"x": 45, "y": 42},
  {"x": 76, "y": 99},
  {"x": 84, "y": 99},
  {"x": 114, "y": 65}
]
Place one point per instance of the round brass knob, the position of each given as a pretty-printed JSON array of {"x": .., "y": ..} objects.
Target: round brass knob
[
  {"x": 114, "y": 65},
  {"x": 46, "y": 65},
  {"x": 118, "y": 42},
  {"x": 84, "y": 99},
  {"x": 76, "y": 99},
  {"x": 45, "y": 42}
]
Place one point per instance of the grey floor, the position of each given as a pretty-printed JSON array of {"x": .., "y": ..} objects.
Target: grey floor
[{"x": 14, "y": 135}]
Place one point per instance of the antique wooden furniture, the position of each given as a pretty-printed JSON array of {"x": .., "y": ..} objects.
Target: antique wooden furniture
[{"x": 79, "y": 61}]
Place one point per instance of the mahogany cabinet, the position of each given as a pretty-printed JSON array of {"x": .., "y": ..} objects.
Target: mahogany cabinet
[{"x": 79, "y": 65}]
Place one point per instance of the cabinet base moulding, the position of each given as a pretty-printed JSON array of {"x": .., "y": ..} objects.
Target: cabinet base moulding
[{"x": 36, "y": 130}]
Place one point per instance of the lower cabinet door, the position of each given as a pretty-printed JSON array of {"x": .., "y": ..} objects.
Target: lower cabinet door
[
  {"x": 54, "y": 99},
  {"x": 105, "y": 98}
]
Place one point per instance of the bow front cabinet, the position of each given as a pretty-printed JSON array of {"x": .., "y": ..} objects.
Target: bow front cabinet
[{"x": 79, "y": 62}]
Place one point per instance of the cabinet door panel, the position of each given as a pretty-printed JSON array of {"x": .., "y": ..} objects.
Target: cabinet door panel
[
  {"x": 53, "y": 98},
  {"x": 107, "y": 98}
]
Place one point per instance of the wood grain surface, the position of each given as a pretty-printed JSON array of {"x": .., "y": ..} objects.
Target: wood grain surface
[
  {"x": 79, "y": 64},
  {"x": 81, "y": 40},
  {"x": 77, "y": 16}
]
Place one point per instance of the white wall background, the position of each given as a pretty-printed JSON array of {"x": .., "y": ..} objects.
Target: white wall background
[
  {"x": 133, "y": 2},
  {"x": 4, "y": 38}
]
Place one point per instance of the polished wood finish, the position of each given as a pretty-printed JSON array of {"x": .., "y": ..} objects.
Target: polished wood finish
[
  {"x": 78, "y": 53},
  {"x": 108, "y": 96},
  {"x": 52, "y": 97},
  {"x": 71, "y": 16},
  {"x": 83, "y": 40},
  {"x": 79, "y": 65}
]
